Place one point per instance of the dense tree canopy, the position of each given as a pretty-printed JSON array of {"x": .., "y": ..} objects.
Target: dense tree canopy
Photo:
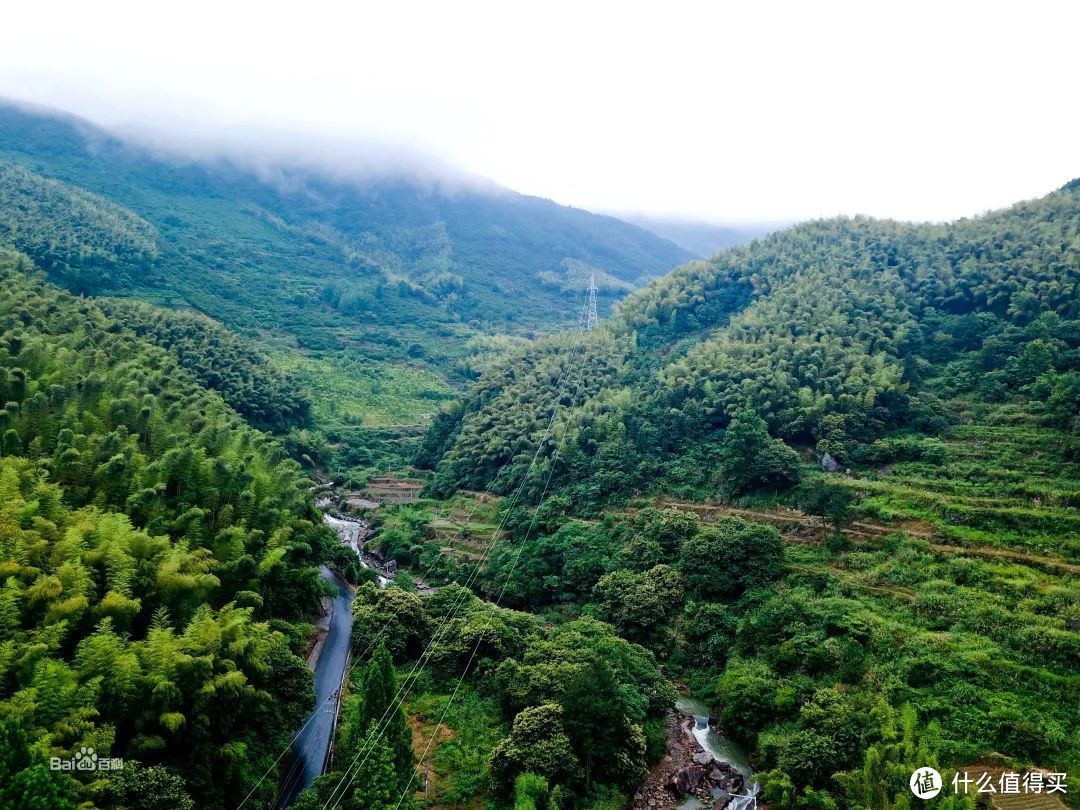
[
  {"x": 153, "y": 550},
  {"x": 833, "y": 332},
  {"x": 79, "y": 238},
  {"x": 221, "y": 360}
]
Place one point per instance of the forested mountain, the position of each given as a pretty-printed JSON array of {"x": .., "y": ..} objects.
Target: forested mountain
[
  {"x": 827, "y": 481},
  {"x": 367, "y": 292},
  {"x": 834, "y": 332},
  {"x": 156, "y": 552},
  {"x": 222, "y": 360},
  {"x": 80, "y": 238},
  {"x": 157, "y": 561},
  {"x": 831, "y": 478},
  {"x": 252, "y": 252}
]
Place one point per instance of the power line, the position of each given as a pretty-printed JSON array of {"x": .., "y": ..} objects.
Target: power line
[
  {"x": 402, "y": 691},
  {"x": 443, "y": 627},
  {"x": 371, "y": 643},
  {"x": 450, "y": 615},
  {"x": 498, "y": 600}
]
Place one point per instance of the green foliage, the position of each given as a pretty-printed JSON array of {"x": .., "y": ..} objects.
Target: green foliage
[
  {"x": 538, "y": 744},
  {"x": 82, "y": 240},
  {"x": 136, "y": 787},
  {"x": 148, "y": 538},
  {"x": 380, "y": 709},
  {"x": 575, "y": 695},
  {"x": 709, "y": 631},
  {"x": 26, "y": 783},
  {"x": 575, "y": 275},
  {"x": 471, "y": 252},
  {"x": 462, "y": 759},
  {"x": 638, "y": 604},
  {"x": 750, "y": 460},
  {"x": 221, "y": 360},
  {"x": 360, "y": 288},
  {"x": 834, "y": 333},
  {"x": 822, "y": 668},
  {"x": 729, "y": 557},
  {"x": 563, "y": 566},
  {"x": 830, "y": 500},
  {"x": 530, "y": 791},
  {"x": 380, "y": 784},
  {"x": 395, "y": 616},
  {"x": 354, "y": 390}
]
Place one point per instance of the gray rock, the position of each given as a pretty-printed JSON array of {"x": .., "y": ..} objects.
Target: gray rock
[
  {"x": 704, "y": 758},
  {"x": 829, "y": 464},
  {"x": 685, "y": 780}
]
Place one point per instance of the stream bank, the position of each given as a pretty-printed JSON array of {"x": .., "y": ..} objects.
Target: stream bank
[
  {"x": 329, "y": 658},
  {"x": 703, "y": 768}
]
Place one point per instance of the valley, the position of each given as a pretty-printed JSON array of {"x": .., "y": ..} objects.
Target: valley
[{"x": 820, "y": 490}]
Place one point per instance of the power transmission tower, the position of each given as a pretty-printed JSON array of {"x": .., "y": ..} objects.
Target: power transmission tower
[{"x": 590, "y": 316}]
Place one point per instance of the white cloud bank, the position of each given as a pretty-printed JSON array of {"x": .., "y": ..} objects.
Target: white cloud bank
[{"x": 713, "y": 110}]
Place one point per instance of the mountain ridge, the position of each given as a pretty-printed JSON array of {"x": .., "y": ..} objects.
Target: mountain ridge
[{"x": 76, "y": 151}]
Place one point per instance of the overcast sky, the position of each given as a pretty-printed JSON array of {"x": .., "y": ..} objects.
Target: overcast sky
[{"x": 715, "y": 110}]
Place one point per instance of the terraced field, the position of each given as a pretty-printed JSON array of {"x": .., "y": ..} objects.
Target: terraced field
[
  {"x": 438, "y": 538},
  {"x": 1009, "y": 486}
]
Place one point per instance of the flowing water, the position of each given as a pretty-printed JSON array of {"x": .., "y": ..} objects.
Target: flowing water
[
  {"x": 351, "y": 532},
  {"x": 720, "y": 746}
]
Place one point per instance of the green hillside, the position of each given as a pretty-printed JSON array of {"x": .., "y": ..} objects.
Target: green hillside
[
  {"x": 827, "y": 482},
  {"x": 80, "y": 238},
  {"x": 158, "y": 559},
  {"x": 240, "y": 248},
  {"x": 836, "y": 333},
  {"x": 349, "y": 284},
  {"x": 916, "y": 603}
]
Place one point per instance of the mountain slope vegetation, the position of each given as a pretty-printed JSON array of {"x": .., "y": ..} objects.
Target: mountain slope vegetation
[
  {"x": 157, "y": 556},
  {"x": 351, "y": 284},
  {"x": 830, "y": 477},
  {"x": 82, "y": 239},
  {"x": 226, "y": 233},
  {"x": 834, "y": 332}
]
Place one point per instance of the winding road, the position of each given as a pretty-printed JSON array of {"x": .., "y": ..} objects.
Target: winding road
[{"x": 313, "y": 742}]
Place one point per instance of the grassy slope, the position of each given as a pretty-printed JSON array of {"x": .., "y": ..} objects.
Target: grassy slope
[
  {"x": 260, "y": 260},
  {"x": 1006, "y": 482}
]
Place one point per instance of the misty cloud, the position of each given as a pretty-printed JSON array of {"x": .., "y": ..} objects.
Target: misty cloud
[
  {"x": 276, "y": 156},
  {"x": 706, "y": 111}
]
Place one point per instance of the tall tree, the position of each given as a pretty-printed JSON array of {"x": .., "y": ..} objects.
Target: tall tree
[{"x": 380, "y": 708}]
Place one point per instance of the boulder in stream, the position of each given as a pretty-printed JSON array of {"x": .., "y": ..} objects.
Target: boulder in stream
[{"x": 686, "y": 779}]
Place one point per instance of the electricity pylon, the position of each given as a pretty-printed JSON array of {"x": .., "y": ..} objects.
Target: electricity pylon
[{"x": 590, "y": 316}]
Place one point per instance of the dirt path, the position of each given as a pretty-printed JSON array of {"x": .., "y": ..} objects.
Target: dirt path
[{"x": 864, "y": 533}]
